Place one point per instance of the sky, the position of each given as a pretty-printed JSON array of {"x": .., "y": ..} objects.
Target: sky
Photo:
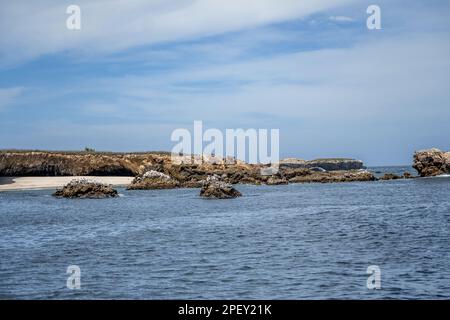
[{"x": 139, "y": 69}]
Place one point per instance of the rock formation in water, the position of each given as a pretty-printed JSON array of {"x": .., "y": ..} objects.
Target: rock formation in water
[
  {"x": 153, "y": 180},
  {"x": 431, "y": 162},
  {"x": 331, "y": 164},
  {"x": 407, "y": 175},
  {"x": 390, "y": 176},
  {"x": 393, "y": 176},
  {"x": 306, "y": 175},
  {"x": 83, "y": 188},
  {"x": 213, "y": 188}
]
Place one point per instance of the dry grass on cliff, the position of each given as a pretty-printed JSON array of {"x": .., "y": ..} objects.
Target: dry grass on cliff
[{"x": 82, "y": 152}]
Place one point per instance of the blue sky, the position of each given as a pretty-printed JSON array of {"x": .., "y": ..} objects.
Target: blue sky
[{"x": 139, "y": 69}]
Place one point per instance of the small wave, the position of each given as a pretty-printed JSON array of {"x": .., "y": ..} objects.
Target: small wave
[
  {"x": 121, "y": 195},
  {"x": 444, "y": 175}
]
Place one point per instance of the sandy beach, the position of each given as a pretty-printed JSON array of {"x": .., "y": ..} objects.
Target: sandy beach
[{"x": 26, "y": 183}]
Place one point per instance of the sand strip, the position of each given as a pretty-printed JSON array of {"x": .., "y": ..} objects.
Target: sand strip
[{"x": 26, "y": 183}]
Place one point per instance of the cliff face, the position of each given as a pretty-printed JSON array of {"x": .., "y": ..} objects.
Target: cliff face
[
  {"x": 70, "y": 164},
  {"x": 42, "y": 163},
  {"x": 431, "y": 162},
  {"x": 326, "y": 164}
]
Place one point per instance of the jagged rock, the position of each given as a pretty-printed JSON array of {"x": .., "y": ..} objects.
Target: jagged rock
[
  {"x": 289, "y": 173},
  {"x": 153, "y": 180},
  {"x": 407, "y": 175},
  {"x": 273, "y": 181},
  {"x": 390, "y": 176},
  {"x": 83, "y": 188},
  {"x": 213, "y": 188},
  {"x": 333, "y": 176},
  {"x": 431, "y": 162}
]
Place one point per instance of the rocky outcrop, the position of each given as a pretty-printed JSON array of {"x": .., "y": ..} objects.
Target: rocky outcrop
[
  {"x": 153, "y": 180},
  {"x": 213, "y": 188},
  {"x": 431, "y": 162},
  {"x": 159, "y": 170},
  {"x": 306, "y": 175},
  {"x": 83, "y": 188},
  {"x": 390, "y": 176},
  {"x": 273, "y": 181},
  {"x": 407, "y": 175},
  {"x": 393, "y": 176},
  {"x": 331, "y": 164}
]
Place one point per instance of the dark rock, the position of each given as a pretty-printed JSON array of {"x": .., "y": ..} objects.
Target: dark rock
[
  {"x": 213, "y": 188},
  {"x": 407, "y": 175},
  {"x": 84, "y": 188},
  {"x": 333, "y": 176},
  {"x": 390, "y": 176}
]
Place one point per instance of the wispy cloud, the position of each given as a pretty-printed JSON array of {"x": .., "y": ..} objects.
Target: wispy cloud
[
  {"x": 110, "y": 26},
  {"x": 341, "y": 19},
  {"x": 9, "y": 95}
]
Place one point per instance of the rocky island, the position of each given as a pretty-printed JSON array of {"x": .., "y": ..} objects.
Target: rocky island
[
  {"x": 213, "y": 188},
  {"x": 86, "y": 189},
  {"x": 163, "y": 170},
  {"x": 431, "y": 162}
]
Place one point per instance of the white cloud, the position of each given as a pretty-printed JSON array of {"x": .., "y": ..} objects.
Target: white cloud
[
  {"x": 29, "y": 29},
  {"x": 9, "y": 95}
]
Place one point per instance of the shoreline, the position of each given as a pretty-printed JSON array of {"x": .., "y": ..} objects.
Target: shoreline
[{"x": 36, "y": 183}]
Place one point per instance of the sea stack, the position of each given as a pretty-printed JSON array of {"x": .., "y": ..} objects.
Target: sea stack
[
  {"x": 431, "y": 162},
  {"x": 213, "y": 188},
  {"x": 86, "y": 189}
]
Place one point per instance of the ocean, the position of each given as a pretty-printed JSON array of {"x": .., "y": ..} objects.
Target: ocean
[{"x": 298, "y": 241}]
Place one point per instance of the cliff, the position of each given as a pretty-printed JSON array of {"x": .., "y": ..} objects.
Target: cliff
[{"x": 42, "y": 163}]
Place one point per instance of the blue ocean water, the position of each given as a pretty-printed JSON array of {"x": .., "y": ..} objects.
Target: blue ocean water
[{"x": 299, "y": 241}]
